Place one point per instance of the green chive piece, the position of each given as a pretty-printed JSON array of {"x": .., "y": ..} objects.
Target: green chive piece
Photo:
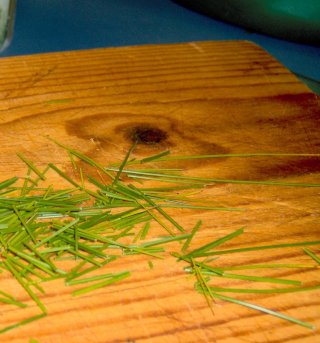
[
  {"x": 16, "y": 274},
  {"x": 45, "y": 240},
  {"x": 189, "y": 239},
  {"x": 264, "y": 310},
  {"x": 264, "y": 291},
  {"x": 8, "y": 183},
  {"x": 202, "y": 250},
  {"x": 13, "y": 302},
  {"x": 98, "y": 285},
  {"x": 155, "y": 157},
  {"x": 33, "y": 340},
  {"x": 190, "y": 157},
  {"x": 263, "y": 247},
  {"x": 31, "y": 166},
  {"x": 165, "y": 240},
  {"x": 312, "y": 255},
  {"x": 94, "y": 278},
  {"x": 23, "y": 322},
  {"x": 124, "y": 162}
]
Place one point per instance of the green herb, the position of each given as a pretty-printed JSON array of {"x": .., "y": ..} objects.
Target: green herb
[
  {"x": 312, "y": 255},
  {"x": 155, "y": 157},
  {"x": 204, "y": 272},
  {"x": 31, "y": 166},
  {"x": 264, "y": 310},
  {"x": 33, "y": 340},
  {"x": 193, "y": 232},
  {"x": 95, "y": 222},
  {"x": 107, "y": 282},
  {"x": 23, "y": 322}
]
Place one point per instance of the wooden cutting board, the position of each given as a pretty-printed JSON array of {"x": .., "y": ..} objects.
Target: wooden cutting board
[{"x": 193, "y": 98}]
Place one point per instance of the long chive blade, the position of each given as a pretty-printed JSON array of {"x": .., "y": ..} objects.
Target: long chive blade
[
  {"x": 165, "y": 240},
  {"x": 263, "y": 247},
  {"x": 241, "y": 155},
  {"x": 155, "y": 157},
  {"x": 263, "y": 291},
  {"x": 264, "y": 310}
]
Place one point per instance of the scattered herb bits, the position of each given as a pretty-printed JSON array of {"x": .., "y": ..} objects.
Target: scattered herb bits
[{"x": 76, "y": 233}]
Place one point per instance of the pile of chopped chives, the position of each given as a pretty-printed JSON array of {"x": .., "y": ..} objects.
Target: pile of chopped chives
[{"x": 92, "y": 226}]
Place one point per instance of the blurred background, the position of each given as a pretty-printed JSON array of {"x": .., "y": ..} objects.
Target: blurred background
[{"x": 288, "y": 29}]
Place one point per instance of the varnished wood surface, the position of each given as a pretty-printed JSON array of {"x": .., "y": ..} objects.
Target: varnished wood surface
[{"x": 196, "y": 98}]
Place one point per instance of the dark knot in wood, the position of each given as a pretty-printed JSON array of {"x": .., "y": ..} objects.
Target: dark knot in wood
[{"x": 147, "y": 135}]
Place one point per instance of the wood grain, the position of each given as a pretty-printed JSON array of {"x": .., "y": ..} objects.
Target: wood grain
[{"x": 195, "y": 98}]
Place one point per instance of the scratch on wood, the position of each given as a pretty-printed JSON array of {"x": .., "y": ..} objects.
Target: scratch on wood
[{"x": 197, "y": 47}]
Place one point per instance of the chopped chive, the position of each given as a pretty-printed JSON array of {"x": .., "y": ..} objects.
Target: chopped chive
[
  {"x": 24, "y": 223},
  {"x": 263, "y": 247},
  {"x": 187, "y": 179},
  {"x": 203, "y": 284},
  {"x": 312, "y": 255},
  {"x": 16, "y": 274},
  {"x": 101, "y": 284},
  {"x": 40, "y": 225},
  {"x": 39, "y": 264},
  {"x": 47, "y": 239},
  {"x": 165, "y": 240},
  {"x": 75, "y": 273},
  {"x": 94, "y": 278},
  {"x": 202, "y": 250},
  {"x": 145, "y": 230},
  {"x": 160, "y": 210},
  {"x": 64, "y": 175},
  {"x": 190, "y": 157},
  {"x": 189, "y": 239},
  {"x": 12, "y": 302},
  {"x": 31, "y": 166},
  {"x": 155, "y": 157},
  {"x": 82, "y": 157},
  {"x": 23, "y": 322},
  {"x": 263, "y": 291},
  {"x": 73, "y": 162},
  {"x": 268, "y": 266},
  {"x": 264, "y": 310},
  {"x": 33, "y": 340},
  {"x": 8, "y": 183},
  {"x": 124, "y": 162},
  {"x": 259, "y": 279}
]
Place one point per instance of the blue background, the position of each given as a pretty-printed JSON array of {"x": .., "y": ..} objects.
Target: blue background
[{"x": 58, "y": 25}]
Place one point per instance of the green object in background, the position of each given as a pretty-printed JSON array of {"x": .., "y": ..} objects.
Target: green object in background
[
  {"x": 7, "y": 12},
  {"x": 295, "y": 20}
]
